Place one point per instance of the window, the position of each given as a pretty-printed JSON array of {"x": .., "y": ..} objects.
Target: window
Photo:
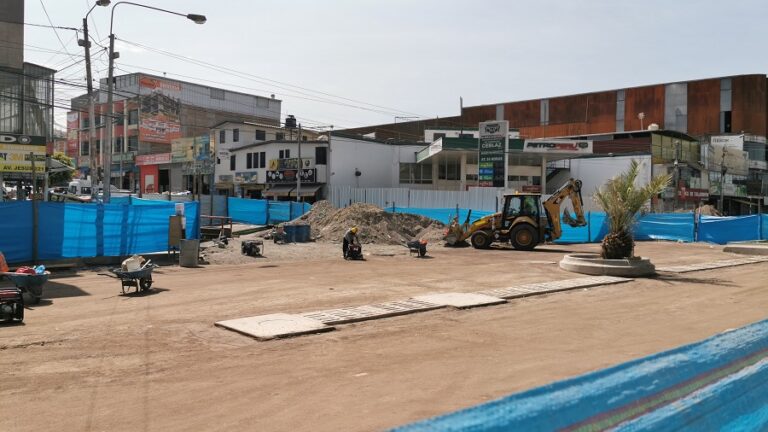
[
  {"x": 725, "y": 105},
  {"x": 248, "y": 160},
  {"x": 414, "y": 173},
  {"x": 119, "y": 145},
  {"x": 222, "y": 136},
  {"x": 620, "y": 109},
  {"x": 133, "y": 143},
  {"x": 676, "y": 107},
  {"x": 280, "y": 136},
  {"x": 303, "y": 137},
  {"x": 133, "y": 117},
  {"x": 472, "y": 159},
  {"x": 85, "y": 149},
  {"x": 285, "y": 154},
  {"x": 235, "y": 135},
  {"x": 99, "y": 119},
  {"x": 544, "y": 112},
  {"x": 321, "y": 155},
  {"x": 471, "y": 177},
  {"x": 86, "y": 123},
  {"x": 263, "y": 159},
  {"x": 261, "y": 135},
  {"x": 119, "y": 119},
  {"x": 449, "y": 170},
  {"x": 232, "y": 165},
  {"x": 217, "y": 94}
]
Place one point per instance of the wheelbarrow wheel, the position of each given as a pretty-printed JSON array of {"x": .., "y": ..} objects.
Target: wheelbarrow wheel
[{"x": 145, "y": 284}]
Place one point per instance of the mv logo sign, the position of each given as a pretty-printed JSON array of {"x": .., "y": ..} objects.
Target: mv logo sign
[
  {"x": 491, "y": 128},
  {"x": 15, "y": 139}
]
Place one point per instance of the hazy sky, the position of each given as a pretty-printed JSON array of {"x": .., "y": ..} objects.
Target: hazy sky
[{"x": 412, "y": 58}]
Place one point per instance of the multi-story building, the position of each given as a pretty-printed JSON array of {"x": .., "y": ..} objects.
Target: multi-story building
[
  {"x": 26, "y": 100},
  {"x": 151, "y": 112}
]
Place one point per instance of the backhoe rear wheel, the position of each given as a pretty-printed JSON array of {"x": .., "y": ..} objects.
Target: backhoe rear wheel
[
  {"x": 524, "y": 237},
  {"x": 480, "y": 240}
]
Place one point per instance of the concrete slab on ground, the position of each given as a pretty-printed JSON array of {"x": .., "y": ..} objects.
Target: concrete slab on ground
[
  {"x": 550, "y": 287},
  {"x": 369, "y": 312},
  {"x": 713, "y": 265},
  {"x": 272, "y": 326},
  {"x": 461, "y": 300},
  {"x": 747, "y": 248}
]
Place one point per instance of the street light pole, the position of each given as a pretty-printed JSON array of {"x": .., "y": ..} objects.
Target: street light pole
[
  {"x": 86, "y": 43},
  {"x": 198, "y": 19},
  {"x": 298, "y": 171}
]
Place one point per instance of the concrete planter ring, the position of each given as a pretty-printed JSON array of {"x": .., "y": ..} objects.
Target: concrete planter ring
[{"x": 592, "y": 264}]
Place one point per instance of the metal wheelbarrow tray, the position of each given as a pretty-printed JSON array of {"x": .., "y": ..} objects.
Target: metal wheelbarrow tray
[
  {"x": 30, "y": 283},
  {"x": 140, "y": 280}
]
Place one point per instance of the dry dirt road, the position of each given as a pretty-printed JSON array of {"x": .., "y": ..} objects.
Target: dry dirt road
[{"x": 88, "y": 359}]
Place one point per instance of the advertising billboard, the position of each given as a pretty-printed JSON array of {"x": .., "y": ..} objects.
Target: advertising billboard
[
  {"x": 159, "y": 111},
  {"x": 191, "y": 149},
  {"x": 73, "y": 134},
  {"x": 17, "y": 158},
  {"x": 491, "y": 147}
]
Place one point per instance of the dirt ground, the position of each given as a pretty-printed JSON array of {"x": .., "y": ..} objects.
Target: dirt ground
[{"x": 88, "y": 359}]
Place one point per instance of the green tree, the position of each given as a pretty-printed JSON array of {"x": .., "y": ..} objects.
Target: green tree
[
  {"x": 61, "y": 178},
  {"x": 621, "y": 200}
]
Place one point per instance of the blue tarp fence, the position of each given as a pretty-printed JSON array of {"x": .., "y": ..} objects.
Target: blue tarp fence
[
  {"x": 88, "y": 230},
  {"x": 263, "y": 212},
  {"x": 715, "y": 384},
  {"x": 652, "y": 226}
]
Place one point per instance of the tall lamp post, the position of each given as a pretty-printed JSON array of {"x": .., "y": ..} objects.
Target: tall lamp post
[
  {"x": 107, "y": 156},
  {"x": 86, "y": 43}
]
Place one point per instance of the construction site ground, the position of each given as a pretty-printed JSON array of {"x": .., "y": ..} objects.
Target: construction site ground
[{"x": 89, "y": 359}]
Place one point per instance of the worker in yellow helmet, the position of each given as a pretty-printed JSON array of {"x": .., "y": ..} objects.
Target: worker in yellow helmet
[{"x": 350, "y": 238}]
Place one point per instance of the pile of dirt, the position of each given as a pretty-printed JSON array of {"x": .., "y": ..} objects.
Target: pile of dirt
[{"x": 375, "y": 225}]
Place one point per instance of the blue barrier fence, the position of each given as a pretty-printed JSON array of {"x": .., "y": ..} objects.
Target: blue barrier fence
[
  {"x": 715, "y": 384},
  {"x": 263, "y": 212},
  {"x": 89, "y": 230},
  {"x": 653, "y": 226}
]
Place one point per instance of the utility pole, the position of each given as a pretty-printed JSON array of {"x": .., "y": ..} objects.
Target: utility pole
[
  {"x": 723, "y": 170},
  {"x": 85, "y": 43},
  {"x": 677, "y": 175}
]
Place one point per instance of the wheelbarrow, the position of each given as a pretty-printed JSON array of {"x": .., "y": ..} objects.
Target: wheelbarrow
[
  {"x": 29, "y": 283},
  {"x": 140, "y": 280}
]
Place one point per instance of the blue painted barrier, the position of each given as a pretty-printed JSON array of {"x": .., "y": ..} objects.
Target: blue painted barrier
[
  {"x": 720, "y": 383},
  {"x": 665, "y": 226},
  {"x": 444, "y": 215},
  {"x": 88, "y": 230},
  {"x": 263, "y": 212},
  {"x": 722, "y": 230}
]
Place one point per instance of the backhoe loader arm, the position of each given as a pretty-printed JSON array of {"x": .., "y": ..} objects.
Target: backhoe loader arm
[{"x": 572, "y": 190}]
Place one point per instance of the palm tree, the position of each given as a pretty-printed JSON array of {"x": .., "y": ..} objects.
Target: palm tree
[{"x": 621, "y": 200}]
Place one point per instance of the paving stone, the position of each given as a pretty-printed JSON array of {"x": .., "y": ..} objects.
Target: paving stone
[
  {"x": 712, "y": 265},
  {"x": 369, "y": 312},
  {"x": 265, "y": 327},
  {"x": 461, "y": 300}
]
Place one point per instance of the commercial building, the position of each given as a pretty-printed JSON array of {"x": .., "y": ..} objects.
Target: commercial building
[
  {"x": 26, "y": 101},
  {"x": 675, "y": 122},
  {"x": 153, "y": 112}
]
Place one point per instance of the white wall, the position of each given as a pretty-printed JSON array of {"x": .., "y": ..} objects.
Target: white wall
[{"x": 595, "y": 172}]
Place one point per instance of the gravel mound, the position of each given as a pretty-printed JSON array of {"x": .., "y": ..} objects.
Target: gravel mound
[{"x": 374, "y": 224}]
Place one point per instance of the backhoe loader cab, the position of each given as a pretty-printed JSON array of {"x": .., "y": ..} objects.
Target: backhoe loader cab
[{"x": 524, "y": 221}]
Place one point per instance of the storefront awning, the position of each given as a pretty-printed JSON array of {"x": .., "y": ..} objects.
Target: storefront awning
[
  {"x": 280, "y": 191},
  {"x": 308, "y": 191}
]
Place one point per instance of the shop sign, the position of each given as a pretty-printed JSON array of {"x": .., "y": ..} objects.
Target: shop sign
[
  {"x": 153, "y": 159},
  {"x": 491, "y": 146},
  {"x": 290, "y": 164},
  {"x": 17, "y": 158},
  {"x": 246, "y": 177},
  {"x": 691, "y": 194},
  {"x": 6, "y": 138},
  {"x": 531, "y": 188},
  {"x": 289, "y": 176},
  {"x": 575, "y": 147}
]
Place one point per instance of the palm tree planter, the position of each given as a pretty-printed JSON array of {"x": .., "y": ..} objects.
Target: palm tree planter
[{"x": 621, "y": 200}]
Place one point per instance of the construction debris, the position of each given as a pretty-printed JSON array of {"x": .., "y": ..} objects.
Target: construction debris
[{"x": 376, "y": 226}]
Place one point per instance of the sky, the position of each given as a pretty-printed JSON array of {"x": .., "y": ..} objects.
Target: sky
[{"x": 355, "y": 63}]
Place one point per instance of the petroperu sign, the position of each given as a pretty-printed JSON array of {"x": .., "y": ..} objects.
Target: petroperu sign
[{"x": 576, "y": 147}]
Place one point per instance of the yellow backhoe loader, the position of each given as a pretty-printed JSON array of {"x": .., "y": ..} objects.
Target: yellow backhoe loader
[{"x": 521, "y": 221}]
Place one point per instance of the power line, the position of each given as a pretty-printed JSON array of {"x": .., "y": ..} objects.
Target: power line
[{"x": 54, "y": 29}]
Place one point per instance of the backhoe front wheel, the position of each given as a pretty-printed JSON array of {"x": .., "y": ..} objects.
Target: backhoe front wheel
[
  {"x": 480, "y": 240},
  {"x": 524, "y": 237}
]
